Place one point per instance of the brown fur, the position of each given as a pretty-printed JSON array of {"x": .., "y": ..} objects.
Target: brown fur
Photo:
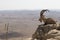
[{"x": 46, "y": 20}]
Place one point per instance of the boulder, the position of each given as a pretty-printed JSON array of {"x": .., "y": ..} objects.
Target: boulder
[{"x": 46, "y": 32}]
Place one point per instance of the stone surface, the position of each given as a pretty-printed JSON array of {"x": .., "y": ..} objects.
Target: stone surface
[{"x": 47, "y": 32}]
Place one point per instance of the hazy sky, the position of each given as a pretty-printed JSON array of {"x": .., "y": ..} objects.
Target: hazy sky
[{"x": 29, "y": 4}]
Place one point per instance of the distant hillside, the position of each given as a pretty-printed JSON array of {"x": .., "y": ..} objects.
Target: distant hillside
[{"x": 29, "y": 13}]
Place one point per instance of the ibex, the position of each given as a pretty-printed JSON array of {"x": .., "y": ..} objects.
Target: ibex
[{"x": 46, "y": 20}]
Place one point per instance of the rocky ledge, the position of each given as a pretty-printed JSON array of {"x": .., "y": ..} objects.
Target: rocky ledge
[{"x": 47, "y": 32}]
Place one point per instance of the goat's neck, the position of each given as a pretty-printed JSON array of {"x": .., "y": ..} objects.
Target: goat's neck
[{"x": 43, "y": 18}]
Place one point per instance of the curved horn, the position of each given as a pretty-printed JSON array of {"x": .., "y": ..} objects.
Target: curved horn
[{"x": 41, "y": 13}]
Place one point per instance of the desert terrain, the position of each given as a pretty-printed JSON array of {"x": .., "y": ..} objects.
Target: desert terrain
[{"x": 22, "y": 23}]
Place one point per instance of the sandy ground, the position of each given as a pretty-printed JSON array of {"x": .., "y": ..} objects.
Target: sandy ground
[{"x": 21, "y": 26}]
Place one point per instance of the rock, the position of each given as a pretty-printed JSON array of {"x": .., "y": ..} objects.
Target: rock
[
  {"x": 41, "y": 32},
  {"x": 46, "y": 32},
  {"x": 58, "y": 28},
  {"x": 55, "y": 34}
]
